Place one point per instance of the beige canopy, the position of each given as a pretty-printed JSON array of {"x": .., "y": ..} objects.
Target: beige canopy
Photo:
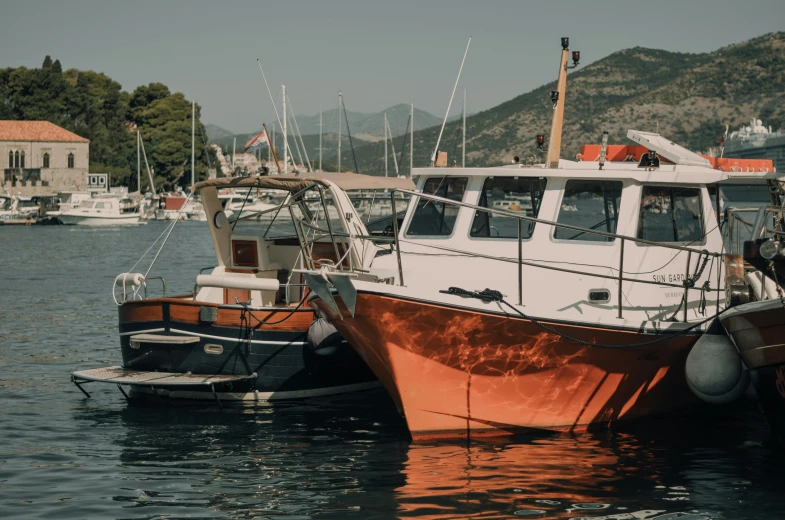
[{"x": 291, "y": 183}]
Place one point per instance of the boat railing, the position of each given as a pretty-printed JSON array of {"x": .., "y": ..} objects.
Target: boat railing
[
  {"x": 333, "y": 236},
  {"x": 768, "y": 223},
  {"x": 686, "y": 285},
  {"x": 133, "y": 284}
]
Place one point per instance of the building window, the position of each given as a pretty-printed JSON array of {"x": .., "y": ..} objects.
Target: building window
[
  {"x": 10, "y": 159},
  {"x": 520, "y": 195},
  {"x": 670, "y": 214},
  {"x": 435, "y": 218},
  {"x": 70, "y": 160},
  {"x": 22, "y": 162},
  {"x": 16, "y": 159},
  {"x": 46, "y": 160},
  {"x": 592, "y": 205}
]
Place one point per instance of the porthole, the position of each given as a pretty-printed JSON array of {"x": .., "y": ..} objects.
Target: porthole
[
  {"x": 212, "y": 348},
  {"x": 220, "y": 220}
]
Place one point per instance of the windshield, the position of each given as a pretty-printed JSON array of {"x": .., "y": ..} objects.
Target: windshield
[
  {"x": 435, "y": 218},
  {"x": 276, "y": 222}
]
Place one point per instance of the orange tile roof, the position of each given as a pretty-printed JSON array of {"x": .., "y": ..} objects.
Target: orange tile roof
[{"x": 37, "y": 131}]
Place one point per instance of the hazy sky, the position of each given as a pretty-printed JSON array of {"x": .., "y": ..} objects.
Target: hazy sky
[{"x": 378, "y": 53}]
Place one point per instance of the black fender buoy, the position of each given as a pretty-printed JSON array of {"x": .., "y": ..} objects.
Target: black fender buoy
[{"x": 323, "y": 338}]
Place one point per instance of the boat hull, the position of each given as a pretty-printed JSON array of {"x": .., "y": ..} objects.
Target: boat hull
[
  {"x": 758, "y": 331},
  {"x": 235, "y": 343},
  {"x": 457, "y": 372},
  {"x": 80, "y": 220}
]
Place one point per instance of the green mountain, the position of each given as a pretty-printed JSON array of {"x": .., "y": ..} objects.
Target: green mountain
[{"x": 688, "y": 98}]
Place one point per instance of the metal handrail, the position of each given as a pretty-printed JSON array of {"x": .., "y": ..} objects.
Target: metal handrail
[{"x": 758, "y": 229}]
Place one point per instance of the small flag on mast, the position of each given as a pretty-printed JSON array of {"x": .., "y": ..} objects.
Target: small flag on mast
[{"x": 257, "y": 141}]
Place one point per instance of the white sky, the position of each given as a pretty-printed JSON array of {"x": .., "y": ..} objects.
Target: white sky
[{"x": 379, "y": 54}]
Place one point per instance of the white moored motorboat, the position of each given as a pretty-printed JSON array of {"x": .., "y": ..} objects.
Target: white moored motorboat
[{"x": 102, "y": 211}]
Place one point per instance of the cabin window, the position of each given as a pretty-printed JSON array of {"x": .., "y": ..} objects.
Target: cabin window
[
  {"x": 46, "y": 160},
  {"x": 70, "y": 160},
  {"x": 670, "y": 214},
  {"x": 99, "y": 205},
  {"x": 22, "y": 159},
  {"x": 433, "y": 218},
  {"x": 521, "y": 195},
  {"x": 591, "y": 205}
]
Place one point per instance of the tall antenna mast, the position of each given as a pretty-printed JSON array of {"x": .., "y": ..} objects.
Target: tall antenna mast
[
  {"x": 340, "y": 101},
  {"x": 558, "y": 98},
  {"x": 463, "y": 147},
  {"x": 385, "y": 144},
  {"x": 285, "y": 139},
  {"x": 439, "y": 140}
]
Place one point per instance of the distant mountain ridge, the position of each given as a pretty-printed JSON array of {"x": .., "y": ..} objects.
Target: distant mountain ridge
[
  {"x": 368, "y": 127},
  {"x": 688, "y": 98}
]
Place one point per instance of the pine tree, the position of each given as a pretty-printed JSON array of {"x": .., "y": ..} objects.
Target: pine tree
[{"x": 47, "y": 63}]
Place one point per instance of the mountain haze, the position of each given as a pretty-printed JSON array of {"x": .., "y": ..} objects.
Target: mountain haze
[{"x": 689, "y": 98}]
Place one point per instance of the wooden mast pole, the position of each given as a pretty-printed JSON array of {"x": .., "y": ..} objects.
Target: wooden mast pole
[
  {"x": 554, "y": 143},
  {"x": 272, "y": 148}
]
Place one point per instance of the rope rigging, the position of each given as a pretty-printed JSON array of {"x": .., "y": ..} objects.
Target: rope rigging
[{"x": 491, "y": 295}]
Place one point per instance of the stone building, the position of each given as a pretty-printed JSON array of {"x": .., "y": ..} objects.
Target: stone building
[{"x": 39, "y": 158}]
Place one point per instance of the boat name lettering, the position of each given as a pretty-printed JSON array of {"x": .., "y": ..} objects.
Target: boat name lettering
[{"x": 671, "y": 277}]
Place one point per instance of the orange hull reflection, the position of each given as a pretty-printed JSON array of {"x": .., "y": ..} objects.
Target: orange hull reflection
[
  {"x": 456, "y": 373},
  {"x": 556, "y": 477}
]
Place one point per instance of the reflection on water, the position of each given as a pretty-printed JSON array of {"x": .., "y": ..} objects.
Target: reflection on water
[{"x": 64, "y": 456}]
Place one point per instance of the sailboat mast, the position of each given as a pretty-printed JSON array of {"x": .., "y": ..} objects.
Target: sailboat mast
[
  {"x": 392, "y": 147},
  {"x": 320, "y": 136},
  {"x": 385, "y": 144},
  {"x": 340, "y": 100},
  {"x": 285, "y": 140},
  {"x": 193, "y": 143},
  {"x": 276, "y": 158},
  {"x": 234, "y": 149},
  {"x": 138, "y": 164},
  {"x": 411, "y": 139},
  {"x": 463, "y": 148}
]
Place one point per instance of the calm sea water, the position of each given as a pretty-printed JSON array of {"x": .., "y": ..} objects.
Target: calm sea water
[{"x": 64, "y": 456}]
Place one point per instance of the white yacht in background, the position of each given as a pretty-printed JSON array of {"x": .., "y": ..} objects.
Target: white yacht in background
[{"x": 101, "y": 211}]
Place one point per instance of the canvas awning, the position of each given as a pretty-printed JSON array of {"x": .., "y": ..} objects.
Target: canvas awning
[{"x": 292, "y": 183}]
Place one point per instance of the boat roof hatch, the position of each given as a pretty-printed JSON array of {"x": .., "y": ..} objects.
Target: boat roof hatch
[{"x": 668, "y": 149}]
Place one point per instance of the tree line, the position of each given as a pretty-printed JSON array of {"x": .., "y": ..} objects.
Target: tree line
[{"x": 94, "y": 106}]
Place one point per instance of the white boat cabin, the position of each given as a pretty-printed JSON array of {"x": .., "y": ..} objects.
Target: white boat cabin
[{"x": 566, "y": 273}]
